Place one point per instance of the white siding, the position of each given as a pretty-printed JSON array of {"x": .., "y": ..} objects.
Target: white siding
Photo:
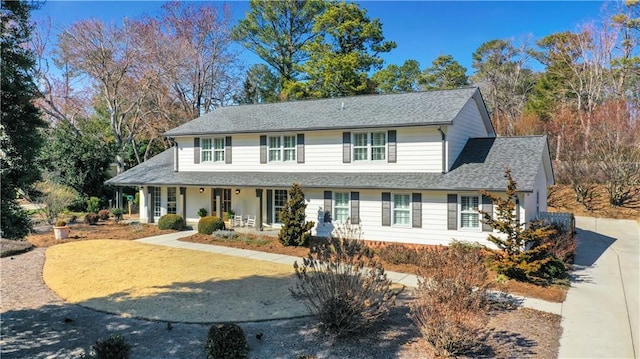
[
  {"x": 434, "y": 220},
  {"x": 537, "y": 201},
  {"x": 467, "y": 124},
  {"x": 419, "y": 149}
]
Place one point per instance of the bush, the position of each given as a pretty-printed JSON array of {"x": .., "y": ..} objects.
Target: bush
[
  {"x": 452, "y": 299},
  {"x": 73, "y": 219},
  {"x": 343, "y": 285},
  {"x": 171, "y": 221},
  {"x": 114, "y": 347},
  {"x": 226, "y": 341},
  {"x": 61, "y": 223},
  {"x": 225, "y": 234},
  {"x": 53, "y": 199},
  {"x": 91, "y": 218},
  {"x": 399, "y": 254},
  {"x": 103, "y": 214},
  {"x": 93, "y": 204},
  {"x": 202, "y": 212},
  {"x": 117, "y": 214},
  {"x": 210, "y": 224}
]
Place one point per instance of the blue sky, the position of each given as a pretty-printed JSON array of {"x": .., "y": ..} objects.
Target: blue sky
[{"x": 423, "y": 30}]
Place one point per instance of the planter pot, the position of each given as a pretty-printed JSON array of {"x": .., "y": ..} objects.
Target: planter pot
[{"x": 61, "y": 232}]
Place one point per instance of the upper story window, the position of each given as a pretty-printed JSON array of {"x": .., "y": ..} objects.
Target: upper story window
[
  {"x": 370, "y": 146},
  {"x": 282, "y": 148},
  {"x": 469, "y": 215},
  {"x": 212, "y": 149}
]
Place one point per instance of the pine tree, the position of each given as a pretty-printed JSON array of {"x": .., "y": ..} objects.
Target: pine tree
[
  {"x": 295, "y": 229},
  {"x": 20, "y": 137}
]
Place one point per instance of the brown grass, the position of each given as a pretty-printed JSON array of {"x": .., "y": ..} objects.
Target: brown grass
[{"x": 562, "y": 198}]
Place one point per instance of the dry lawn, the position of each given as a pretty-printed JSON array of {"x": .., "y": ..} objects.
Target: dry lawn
[
  {"x": 562, "y": 198},
  {"x": 141, "y": 280}
]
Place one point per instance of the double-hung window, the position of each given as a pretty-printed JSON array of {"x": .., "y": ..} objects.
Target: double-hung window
[
  {"x": 371, "y": 145},
  {"x": 401, "y": 209},
  {"x": 172, "y": 200},
  {"x": 212, "y": 149},
  {"x": 282, "y": 148},
  {"x": 469, "y": 215},
  {"x": 218, "y": 149},
  {"x": 279, "y": 202},
  {"x": 341, "y": 206}
]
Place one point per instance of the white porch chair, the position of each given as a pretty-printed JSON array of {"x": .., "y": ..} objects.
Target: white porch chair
[
  {"x": 251, "y": 221},
  {"x": 237, "y": 220}
]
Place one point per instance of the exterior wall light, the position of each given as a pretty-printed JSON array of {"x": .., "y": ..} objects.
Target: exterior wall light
[
  {"x": 201, "y": 189},
  {"x": 237, "y": 190}
]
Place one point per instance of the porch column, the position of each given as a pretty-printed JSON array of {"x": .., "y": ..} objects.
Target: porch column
[
  {"x": 183, "y": 203},
  {"x": 259, "y": 217},
  {"x": 149, "y": 201}
]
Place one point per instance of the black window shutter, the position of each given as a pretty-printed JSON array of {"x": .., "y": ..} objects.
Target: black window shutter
[
  {"x": 196, "y": 150},
  {"x": 263, "y": 149},
  {"x": 487, "y": 206},
  {"x": 386, "y": 208},
  {"x": 346, "y": 147},
  {"x": 269, "y": 206},
  {"x": 452, "y": 212},
  {"x": 150, "y": 203},
  {"x": 355, "y": 207},
  {"x": 391, "y": 146},
  {"x": 416, "y": 209},
  {"x": 328, "y": 196},
  {"x": 227, "y": 149},
  {"x": 300, "y": 148}
]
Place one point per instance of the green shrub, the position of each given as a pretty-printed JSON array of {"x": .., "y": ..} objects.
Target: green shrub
[
  {"x": 226, "y": 341},
  {"x": 93, "y": 204},
  {"x": 399, "y": 254},
  {"x": 295, "y": 230},
  {"x": 171, "y": 221},
  {"x": 114, "y": 347},
  {"x": 344, "y": 296},
  {"x": 452, "y": 299},
  {"x": 61, "y": 223},
  {"x": 225, "y": 234},
  {"x": 210, "y": 224},
  {"x": 103, "y": 214},
  {"x": 117, "y": 214},
  {"x": 91, "y": 218},
  {"x": 202, "y": 212}
]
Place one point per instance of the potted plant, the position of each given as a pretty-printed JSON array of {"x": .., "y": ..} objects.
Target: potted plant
[
  {"x": 61, "y": 230},
  {"x": 202, "y": 212}
]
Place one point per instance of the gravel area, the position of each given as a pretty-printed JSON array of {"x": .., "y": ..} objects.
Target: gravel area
[{"x": 35, "y": 323}]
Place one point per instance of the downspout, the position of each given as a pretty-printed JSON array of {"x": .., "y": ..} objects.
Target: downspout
[{"x": 444, "y": 150}]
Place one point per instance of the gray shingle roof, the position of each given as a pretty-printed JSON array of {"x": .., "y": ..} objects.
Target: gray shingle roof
[
  {"x": 480, "y": 166},
  {"x": 393, "y": 110}
]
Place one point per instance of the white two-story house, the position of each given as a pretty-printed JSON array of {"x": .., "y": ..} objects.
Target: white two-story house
[{"x": 405, "y": 167}]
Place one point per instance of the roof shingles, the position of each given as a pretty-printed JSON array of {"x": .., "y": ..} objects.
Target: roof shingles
[{"x": 481, "y": 165}]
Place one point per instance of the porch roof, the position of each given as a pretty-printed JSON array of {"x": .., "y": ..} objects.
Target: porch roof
[{"x": 480, "y": 166}]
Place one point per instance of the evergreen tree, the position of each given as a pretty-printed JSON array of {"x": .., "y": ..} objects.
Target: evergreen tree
[
  {"x": 20, "y": 135},
  {"x": 396, "y": 78},
  {"x": 445, "y": 73},
  {"x": 295, "y": 229}
]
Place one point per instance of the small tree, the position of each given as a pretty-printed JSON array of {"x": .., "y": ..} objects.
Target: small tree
[
  {"x": 517, "y": 235},
  {"x": 295, "y": 229},
  {"x": 54, "y": 198},
  {"x": 537, "y": 263}
]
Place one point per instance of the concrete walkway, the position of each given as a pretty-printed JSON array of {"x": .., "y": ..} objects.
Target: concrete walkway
[
  {"x": 601, "y": 313},
  {"x": 409, "y": 280}
]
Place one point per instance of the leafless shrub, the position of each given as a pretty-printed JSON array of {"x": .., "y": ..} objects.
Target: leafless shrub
[
  {"x": 452, "y": 299},
  {"x": 342, "y": 283}
]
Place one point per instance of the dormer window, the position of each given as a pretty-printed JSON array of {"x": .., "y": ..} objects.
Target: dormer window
[{"x": 370, "y": 146}]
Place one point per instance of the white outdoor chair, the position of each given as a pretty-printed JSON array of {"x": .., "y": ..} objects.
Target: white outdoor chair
[
  {"x": 251, "y": 221},
  {"x": 237, "y": 220}
]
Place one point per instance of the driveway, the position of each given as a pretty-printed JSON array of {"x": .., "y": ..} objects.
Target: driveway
[{"x": 601, "y": 315}]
